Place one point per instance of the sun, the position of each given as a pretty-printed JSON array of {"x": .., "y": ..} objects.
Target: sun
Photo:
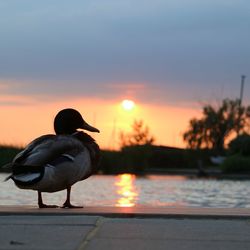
[{"x": 128, "y": 105}]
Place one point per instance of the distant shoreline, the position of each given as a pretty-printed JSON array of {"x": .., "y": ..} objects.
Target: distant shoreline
[
  {"x": 150, "y": 160},
  {"x": 190, "y": 174}
]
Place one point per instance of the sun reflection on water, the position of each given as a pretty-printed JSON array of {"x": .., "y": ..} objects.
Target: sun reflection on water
[{"x": 126, "y": 189}]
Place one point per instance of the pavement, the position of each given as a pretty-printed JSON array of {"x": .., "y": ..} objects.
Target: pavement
[{"x": 112, "y": 228}]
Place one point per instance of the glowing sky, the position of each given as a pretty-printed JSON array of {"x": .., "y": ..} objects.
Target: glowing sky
[{"x": 166, "y": 55}]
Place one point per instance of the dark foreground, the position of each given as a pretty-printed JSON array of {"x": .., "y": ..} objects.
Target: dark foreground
[{"x": 124, "y": 228}]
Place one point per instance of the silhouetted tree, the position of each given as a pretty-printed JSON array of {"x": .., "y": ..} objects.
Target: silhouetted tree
[
  {"x": 140, "y": 135},
  {"x": 217, "y": 124}
]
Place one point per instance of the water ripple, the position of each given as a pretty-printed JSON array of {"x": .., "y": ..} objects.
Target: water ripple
[{"x": 162, "y": 191}]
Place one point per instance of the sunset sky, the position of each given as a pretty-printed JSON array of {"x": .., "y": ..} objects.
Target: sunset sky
[{"x": 168, "y": 56}]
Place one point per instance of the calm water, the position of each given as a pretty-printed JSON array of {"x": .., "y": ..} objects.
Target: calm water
[{"x": 129, "y": 190}]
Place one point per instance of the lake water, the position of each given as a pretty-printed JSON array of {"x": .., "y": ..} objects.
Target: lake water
[{"x": 128, "y": 190}]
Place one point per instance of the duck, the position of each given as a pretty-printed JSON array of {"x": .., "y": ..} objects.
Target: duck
[{"x": 55, "y": 162}]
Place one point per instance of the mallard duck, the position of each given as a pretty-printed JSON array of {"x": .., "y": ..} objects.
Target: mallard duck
[{"x": 53, "y": 163}]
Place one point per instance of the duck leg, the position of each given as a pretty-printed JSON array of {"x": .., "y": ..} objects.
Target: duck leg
[
  {"x": 67, "y": 203},
  {"x": 41, "y": 204}
]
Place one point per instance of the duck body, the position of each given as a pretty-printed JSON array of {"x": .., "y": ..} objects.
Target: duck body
[{"x": 52, "y": 163}]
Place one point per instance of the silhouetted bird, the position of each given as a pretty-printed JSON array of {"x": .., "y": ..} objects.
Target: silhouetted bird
[{"x": 52, "y": 163}]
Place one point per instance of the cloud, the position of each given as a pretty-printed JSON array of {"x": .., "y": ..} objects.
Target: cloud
[
  {"x": 16, "y": 100},
  {"x": 174, "y": 49}
]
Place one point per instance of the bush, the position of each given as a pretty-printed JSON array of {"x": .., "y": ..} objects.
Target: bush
[
  {"x": 166, "y": 157},
  {"x": 110, "y": 161},
  {"x": 136, "y": 158},
  {"x": 131, "y": 159},
  {"x": 240, "y": 144},
  {"x": 192, "y": 156},
  {"x": 236, "y": 164},
  {"x": 140, "y": 158},
  {"x": 238, "y": 160}
]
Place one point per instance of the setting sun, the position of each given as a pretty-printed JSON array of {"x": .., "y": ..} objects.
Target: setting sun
[{"x": 128, "y": 105}]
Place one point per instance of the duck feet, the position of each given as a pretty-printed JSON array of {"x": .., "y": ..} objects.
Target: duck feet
[
  {"x": 69, "y": 205},
  {"x": 41, "y": 204},
  {"x": 47, "y": 206}
]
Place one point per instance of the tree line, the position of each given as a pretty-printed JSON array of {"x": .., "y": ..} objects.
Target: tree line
[{"x": 218, "y": 124}]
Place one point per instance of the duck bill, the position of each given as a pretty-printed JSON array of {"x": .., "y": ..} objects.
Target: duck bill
[{"x": 90, "y": 128}]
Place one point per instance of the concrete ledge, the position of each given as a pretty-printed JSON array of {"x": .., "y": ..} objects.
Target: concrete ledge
[{"x": 131, "y": 212}]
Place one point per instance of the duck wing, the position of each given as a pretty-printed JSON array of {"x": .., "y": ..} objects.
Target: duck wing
[
  {"x": 47, "y": 148},
  {"x": 31, "y": 150},
  {"x": 42, "y": 151}
]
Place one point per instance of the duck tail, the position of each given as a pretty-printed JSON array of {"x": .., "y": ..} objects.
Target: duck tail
[
  {"x": 25, "y": 174},
  {"x": 7, "y": 178},
  {"x": 7, "y": 166}
]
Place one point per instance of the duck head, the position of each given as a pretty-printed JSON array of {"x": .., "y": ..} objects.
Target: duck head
[{"x": 67, "y": 121}]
